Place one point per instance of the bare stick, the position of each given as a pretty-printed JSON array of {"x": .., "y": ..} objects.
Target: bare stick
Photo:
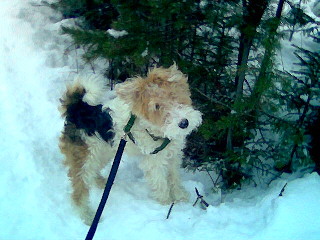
[
  {"x": 204, "y": 204},
  {"x": 210, "y": 177},
  {"x": 170, "y": 209},
  {"x": 282, "y": 190}
]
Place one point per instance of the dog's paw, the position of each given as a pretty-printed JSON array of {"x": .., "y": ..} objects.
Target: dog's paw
[
  {"x": 87, "y": 215},
  {"x": 180, "y": 195},
  {"x": 101, "y": 182},
  {"x": 164, "y": 199}
]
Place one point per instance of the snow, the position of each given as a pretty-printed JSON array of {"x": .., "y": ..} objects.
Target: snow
[
  {"x": 316, "y": 8},
  {"x": 34, "y": 188},
  {"x": 116, "y": 34}
]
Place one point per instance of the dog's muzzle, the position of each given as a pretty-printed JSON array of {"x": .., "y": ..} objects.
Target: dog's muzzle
[{"x": 184, "y": 123}]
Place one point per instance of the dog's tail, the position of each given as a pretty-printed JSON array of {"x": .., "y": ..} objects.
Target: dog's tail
[{"x": 82, "y": 109}]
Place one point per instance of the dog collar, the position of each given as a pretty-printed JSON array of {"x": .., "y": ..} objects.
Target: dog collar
[
  {"x": 165, "y": 142},
  {"x": 127, "y": 130}
]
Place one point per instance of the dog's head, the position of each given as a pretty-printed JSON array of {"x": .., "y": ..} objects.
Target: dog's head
[{"x": 163, "y": 99}]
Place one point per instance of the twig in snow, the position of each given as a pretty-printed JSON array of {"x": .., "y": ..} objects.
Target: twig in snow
[
  {"x": 282, "y": 190},
  {"x": 170, "y": 209},
  {"x": 216, "y": 182},
  {"x": 211, "y": 177},
  {"x": 203, "y": 203}
]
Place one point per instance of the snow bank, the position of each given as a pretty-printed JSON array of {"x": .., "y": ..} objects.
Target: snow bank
[
  {"x": 34, "y": 189},
  {"x": 295, "y": 214}
]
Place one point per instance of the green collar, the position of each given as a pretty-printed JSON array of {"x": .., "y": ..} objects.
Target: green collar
[
  {"x": 155, "y": 138},
  {"x": 127, "y": 130},
  {"x": 165, "y": 143}
]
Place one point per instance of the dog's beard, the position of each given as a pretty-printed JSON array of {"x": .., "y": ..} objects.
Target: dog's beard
[{"x": 174, "y": 117}]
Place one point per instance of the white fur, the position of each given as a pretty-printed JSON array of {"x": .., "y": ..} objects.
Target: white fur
[
  {"x": 94, "y": 86},
  {"x": 175, "y": 115}
]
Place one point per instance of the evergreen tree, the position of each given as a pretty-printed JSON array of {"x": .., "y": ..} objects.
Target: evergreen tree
[{"x": 227, "y": 49}]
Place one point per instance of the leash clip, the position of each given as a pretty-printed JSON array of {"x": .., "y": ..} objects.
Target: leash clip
[{"x": 124, "y": 136}]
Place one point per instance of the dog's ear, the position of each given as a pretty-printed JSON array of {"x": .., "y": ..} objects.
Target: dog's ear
[
  {"x": 127, "y": 90},
  {"x": 171, "y": 74},
  {"x": 176, "y": 75}
]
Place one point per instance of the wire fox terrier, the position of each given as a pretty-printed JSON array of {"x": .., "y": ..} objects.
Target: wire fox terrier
[{"x": 158, "y": 107}]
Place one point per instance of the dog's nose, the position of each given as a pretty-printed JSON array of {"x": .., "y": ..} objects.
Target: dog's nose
[{"x": 183, "y": 124}]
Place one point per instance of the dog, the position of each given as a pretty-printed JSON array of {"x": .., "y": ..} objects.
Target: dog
[{"x": 159, "y": 112}]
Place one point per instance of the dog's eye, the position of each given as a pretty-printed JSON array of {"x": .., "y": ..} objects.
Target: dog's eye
[{"x": 157, "y": 106}]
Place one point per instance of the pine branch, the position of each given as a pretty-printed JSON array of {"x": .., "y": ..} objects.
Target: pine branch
[{"x": 213, "y": 100}]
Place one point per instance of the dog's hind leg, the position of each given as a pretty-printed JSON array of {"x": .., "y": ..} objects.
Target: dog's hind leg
[
  {"x": 76, "y": 154},
  {"x": 80, "y": 197}
]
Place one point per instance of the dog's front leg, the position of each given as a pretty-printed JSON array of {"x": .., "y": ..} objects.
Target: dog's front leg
[
  {"x": 177, "y": 191},
  {"x": 155, "y": 170}
]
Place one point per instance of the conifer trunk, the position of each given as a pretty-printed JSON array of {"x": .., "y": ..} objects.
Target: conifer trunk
[
  {"x": 262, "y": 79},
  {"x": 253, "y": 11}
]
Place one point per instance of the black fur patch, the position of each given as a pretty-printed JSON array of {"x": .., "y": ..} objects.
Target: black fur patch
[{"x": 91, "y": 119}]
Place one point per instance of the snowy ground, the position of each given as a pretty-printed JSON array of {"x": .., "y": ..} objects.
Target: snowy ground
[{"x": 34, "y": 189}]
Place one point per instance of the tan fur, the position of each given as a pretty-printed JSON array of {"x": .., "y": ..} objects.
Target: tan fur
[{"x": 76, "y": 152}]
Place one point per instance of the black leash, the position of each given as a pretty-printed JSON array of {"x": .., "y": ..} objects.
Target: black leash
[
  {"x": 107, "y": 189},
  {"x": 112, "y": 175}
]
